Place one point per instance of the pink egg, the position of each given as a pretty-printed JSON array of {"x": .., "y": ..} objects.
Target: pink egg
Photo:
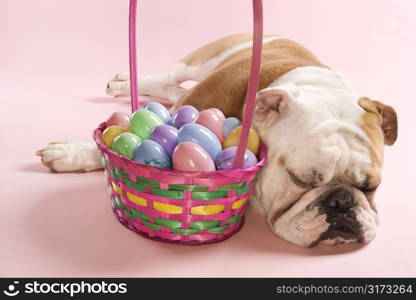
[
  {"x": 119, "y": 118},
  {"x": 219, "y": 113},
  {"x": 209, "y": 119},
  {"x": 189, "y": 156}
]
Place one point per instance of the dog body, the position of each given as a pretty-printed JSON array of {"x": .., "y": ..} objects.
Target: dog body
[{"x": 325, "y": 144}]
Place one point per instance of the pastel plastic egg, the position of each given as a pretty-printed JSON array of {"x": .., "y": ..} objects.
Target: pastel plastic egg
[
  {"x": 125, "y": 144},
  {"x": 218, "y": 112},
  {"x": 166, "y": 136},
  {"x": 189, "y": 156},
  {"x": 151, "y": 153},
  {"x": 110, "y": 133},
  {"x": 232, "y": 139},
  {"x": 159, "y": 110},
  {"x": 225, "y": 160},
  {"x": 210, "y": 119},
  {"x": 185, "y": 114},
  {"x": 119, "y": 118},
  {"x": 229, "y": 124},
  {"x": 202, "y": 136},
  {"x": 142, "y": 123}
]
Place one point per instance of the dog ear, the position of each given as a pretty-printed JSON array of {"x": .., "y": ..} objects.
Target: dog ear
[
  {"x": 274, "y": 99},
  {"x": 387, "y": 118}
]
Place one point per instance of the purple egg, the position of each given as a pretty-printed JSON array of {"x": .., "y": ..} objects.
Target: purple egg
[
  {"x": 226, "y": 159},
  {"x": 166, "y": 136},
  {"x": 185, "y": 114}
]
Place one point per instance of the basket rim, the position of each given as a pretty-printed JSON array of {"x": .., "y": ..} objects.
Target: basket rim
[{"x": 105, "y": 149}]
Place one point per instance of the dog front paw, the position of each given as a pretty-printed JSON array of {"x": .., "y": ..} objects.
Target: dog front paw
[
  {"x": 70, "y": 157},
  {"x": 119, "y": 86}
]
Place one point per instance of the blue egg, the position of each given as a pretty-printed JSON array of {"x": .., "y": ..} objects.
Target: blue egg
[
  {"x": 202, "y": 136},
  {"x": 229, "y": 124},
  {"x": 151, "y": 153},
  {"x": 159, "y": 110}
]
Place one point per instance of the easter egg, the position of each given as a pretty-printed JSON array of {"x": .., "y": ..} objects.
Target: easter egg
[
  {"x": 142, "y": 123},
  {"x": 202, "y": 136},
  {"x": 189, "y": 156},
  {"x": 185, "y": 114},
  {"x": 159, "y": 110},
  {"x": 166, "y": 136},
  {"x": 151, "y": 153},
  {"x": 219, "y": 113},
  {"x": 119, "y": 118},
  {"x": 110, "y": 133},
  {"x": 225, "y": 160},
  {"x": 232, "y": 139},
  {"x": 229, "y": 124},
  {"x": 210, "y": 119},
  {"x": 125, "y": 144}
]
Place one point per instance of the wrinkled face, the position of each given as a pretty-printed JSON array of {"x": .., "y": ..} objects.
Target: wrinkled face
[{"x": 324, "y": 164}]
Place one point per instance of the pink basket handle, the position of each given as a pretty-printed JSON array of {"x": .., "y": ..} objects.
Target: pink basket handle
[
  {"x": 133, "y": 55},
  {"x": 253, "y": 81}
]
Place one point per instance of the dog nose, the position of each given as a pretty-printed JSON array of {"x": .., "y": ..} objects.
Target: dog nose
[{"x": 339, "y": 200}]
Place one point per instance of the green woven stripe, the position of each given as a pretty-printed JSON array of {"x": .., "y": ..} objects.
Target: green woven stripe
[
  {"x": 231, "y": 186},
  {"x": 104, "y": 161},
  {"x": 243, "y": 190},
  {"x": 209, "y": 195},
  {"x": 168, "y": 193},
  {"x": 128, "y": 214},
  {"x": 140, "y": 180},
  {"x": 139, "y": 214},
  {"x": 136, "y": 186},
  {"x": 218, "y": 229},
  {"x": 151, "y": 225},
  {"x": 147, "y": 181},
  {"x": 188, "y": 187},
  {"x": 234, "y": 219},
  {"x": 168, "y": 223},
  {"x": 120, "y": 172},
  {"x": 184, "y": 231},
  {"x": 118, "y": 203},
  {"x": 204, "y": 224},
  {"x": 113, "y": 174}
]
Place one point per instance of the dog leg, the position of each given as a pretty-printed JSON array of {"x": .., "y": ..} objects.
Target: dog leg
[
  {"x": 162, "y": 86},
  {"x": 71, "y": 157}
]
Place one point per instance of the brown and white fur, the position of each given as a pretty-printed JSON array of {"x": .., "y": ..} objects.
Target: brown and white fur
[{"x": 325, "y": 143}]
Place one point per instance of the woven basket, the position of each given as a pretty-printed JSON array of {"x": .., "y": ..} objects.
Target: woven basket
[
  {"x": 169, "y": 205},
  {"x": 183, "y": 207}
]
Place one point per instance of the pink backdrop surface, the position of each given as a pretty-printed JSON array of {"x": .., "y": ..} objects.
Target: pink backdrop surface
[{"x": 55, "y": 60}]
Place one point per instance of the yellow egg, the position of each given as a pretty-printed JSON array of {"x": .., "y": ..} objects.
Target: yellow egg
[
  {"x": 110, "y": 133},
  {"x": 233, "y": 138}
]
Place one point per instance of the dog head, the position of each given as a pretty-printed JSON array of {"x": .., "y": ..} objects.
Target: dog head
[{"x": 325, "y": 155}]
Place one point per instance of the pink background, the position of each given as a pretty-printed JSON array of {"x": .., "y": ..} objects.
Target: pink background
[{"x": 55, "y": 60}]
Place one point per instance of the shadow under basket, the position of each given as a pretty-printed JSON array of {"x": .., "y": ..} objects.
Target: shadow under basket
[{"x": 172, "y": 206}]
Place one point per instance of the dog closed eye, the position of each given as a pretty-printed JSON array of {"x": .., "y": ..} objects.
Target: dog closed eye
[{"x": 300, "y": 183}]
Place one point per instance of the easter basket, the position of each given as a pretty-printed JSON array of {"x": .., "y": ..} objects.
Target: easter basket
[{"x": 177, "y": 206}]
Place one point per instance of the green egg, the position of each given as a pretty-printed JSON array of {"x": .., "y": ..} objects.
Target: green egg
[
  {"x": 142, "y": 123},
  {"x": 125, "y": 144}
]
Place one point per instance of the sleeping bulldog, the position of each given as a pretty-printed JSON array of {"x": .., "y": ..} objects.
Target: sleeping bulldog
[{"x": 325, "y": 143}]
